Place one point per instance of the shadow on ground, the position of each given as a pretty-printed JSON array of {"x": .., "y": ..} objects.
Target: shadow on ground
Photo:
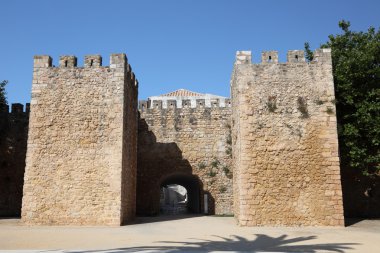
[
  {"x": 352, "y": 221},
  {"x": 262, "y": 243},
  {"x": 160, "y": 218}
]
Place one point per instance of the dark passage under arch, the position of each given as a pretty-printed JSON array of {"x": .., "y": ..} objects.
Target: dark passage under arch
[{"x": 192, "y": 185}]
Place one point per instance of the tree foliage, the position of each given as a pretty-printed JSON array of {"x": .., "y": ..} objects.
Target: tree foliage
[
  {"x": 309, "y": 54},
  {"x": 356, "y": 69},
  {"x": 3, "y": 98}
]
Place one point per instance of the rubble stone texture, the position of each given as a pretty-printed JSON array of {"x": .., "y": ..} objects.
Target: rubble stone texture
[
  {"x": 82, "y": 145},
  {"x": 284, "y": 141}
]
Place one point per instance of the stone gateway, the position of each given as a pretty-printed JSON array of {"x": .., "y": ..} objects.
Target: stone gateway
[{"x": 97, "y": 156}]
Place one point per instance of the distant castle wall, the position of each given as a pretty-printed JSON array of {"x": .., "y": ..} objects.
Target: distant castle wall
[
  {"x": 13, "y": 139},
  {"x": 81, "y": 158},
  {"x": 183, "y": 102},
  {"x": 184, "y": 139},
  {"x": 284, "y": 142}
]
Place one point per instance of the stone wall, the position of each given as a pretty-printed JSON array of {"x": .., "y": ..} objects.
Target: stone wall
[
  {"x": 81, "y": 165},
  {"x": 186, "y": 146},
  {"x": 130, "y": 133},
  {"x": 285, "y": 145},
  {"x": 13, "y": 139}
]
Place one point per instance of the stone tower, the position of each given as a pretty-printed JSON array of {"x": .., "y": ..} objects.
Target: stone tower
[
  {"x": 284, "y": 141},
  {"x": 82, "y": 143}
]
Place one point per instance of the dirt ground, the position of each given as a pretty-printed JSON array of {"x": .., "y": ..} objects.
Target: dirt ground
[{"x": 189, "y": 234}]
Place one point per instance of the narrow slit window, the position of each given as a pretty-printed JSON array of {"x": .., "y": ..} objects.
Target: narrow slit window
[
  {"x": 65, "y": 63},
  {"x": 296, "y": 57},
  {"x": 270, "y": 58},
  {"x": 91, "y": 63}
]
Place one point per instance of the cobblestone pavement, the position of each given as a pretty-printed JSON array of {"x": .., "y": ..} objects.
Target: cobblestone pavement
[{"x": 189, "y": 234}]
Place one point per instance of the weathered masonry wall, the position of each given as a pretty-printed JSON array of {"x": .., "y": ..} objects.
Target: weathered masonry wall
[
  {"x": 285, "y": 145},
  {"x": 80, "y": 165},
  {"x": 129, "y": 162},
  {"x": 13, "y": 139},
  {"x": 187, "y": 146}
]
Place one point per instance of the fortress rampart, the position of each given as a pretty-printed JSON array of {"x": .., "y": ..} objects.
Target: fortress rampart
[
  {"x": 16, "y": 109},
  {"x": 185, "y": 143},
  {"x": 13, "y": 139},
  {"x": 82, "y": 144},
  {"x": 191, "y": 102},
  {"x": 284, "y": 141}
]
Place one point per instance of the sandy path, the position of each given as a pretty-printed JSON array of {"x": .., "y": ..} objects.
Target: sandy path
[{"x": 191, "y": 234}]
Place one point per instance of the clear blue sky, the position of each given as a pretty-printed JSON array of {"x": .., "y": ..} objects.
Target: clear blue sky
[{"x": 170, "y": 44}]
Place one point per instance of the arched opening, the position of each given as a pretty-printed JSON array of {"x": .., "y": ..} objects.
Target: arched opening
[
  {"x": 173, "y": 199},
  {"x": 180, "y": 194}
]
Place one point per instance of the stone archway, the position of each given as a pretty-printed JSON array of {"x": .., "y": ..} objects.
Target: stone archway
[{"x": 191, "y": 184}]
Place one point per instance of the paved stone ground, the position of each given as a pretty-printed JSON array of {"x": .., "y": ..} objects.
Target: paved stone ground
[{"x": 189, "y": 234}]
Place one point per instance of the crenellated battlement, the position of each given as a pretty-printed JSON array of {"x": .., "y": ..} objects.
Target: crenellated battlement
[
  {"x": 90, "y": 61},
  {"x": 269, "y": 57},
  {"x": 168, "y": 104},
  {"x": 16, "y": 108},
  {"x": 46, "y": 75},
  {"x": 68, "y": 61},
  {"x": 293, "y": 56}
]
